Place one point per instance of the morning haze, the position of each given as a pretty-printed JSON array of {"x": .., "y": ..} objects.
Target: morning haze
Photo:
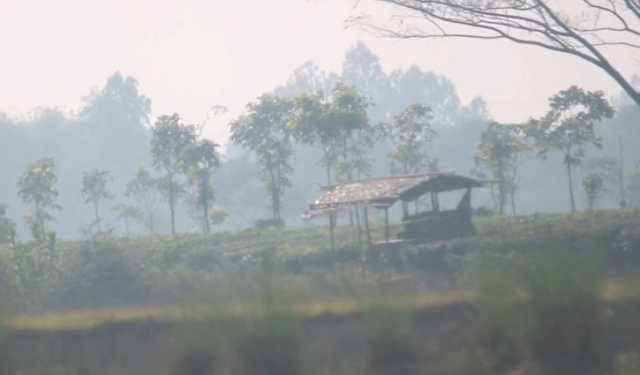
[
  {"x": 190, "y": 55},
  {"x": 304, "y": 187}
]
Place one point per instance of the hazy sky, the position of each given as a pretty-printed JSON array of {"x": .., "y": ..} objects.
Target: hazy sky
[{"x": 191, "y": 54}]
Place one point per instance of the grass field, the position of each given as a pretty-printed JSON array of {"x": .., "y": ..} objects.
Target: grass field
[
  {"x": 621, "y": 291},
  {"x": 428, "y": 303}
]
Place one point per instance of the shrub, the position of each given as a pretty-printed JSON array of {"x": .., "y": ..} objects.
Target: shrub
[
  {"x": 547, "y": 306},
  {"x": 269, "y": 346},
  {"x": 391, "y": 345}
]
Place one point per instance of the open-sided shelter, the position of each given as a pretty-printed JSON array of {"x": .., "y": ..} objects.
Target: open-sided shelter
[{"x": 382, "y": 193}]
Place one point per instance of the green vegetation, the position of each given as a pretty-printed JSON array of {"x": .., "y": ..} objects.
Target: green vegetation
[
  {"x": 500, "y": 151},
  {"x": 95, "y": 189},
  {"x": 264, "y": 130},
  {"x": 37, "y": 189},
  {"x": 170, "y": 141},
  {"x": 557, "y": 293},
  {"x": 569, "y": 127}
]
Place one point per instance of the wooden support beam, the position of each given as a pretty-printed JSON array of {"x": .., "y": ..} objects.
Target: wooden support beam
[
  {"x": 386, "y": 224},
  {"x": 358, "y": 226},
  {"x": 366, "y": 225},
  {"x": 435, "y": 202}
]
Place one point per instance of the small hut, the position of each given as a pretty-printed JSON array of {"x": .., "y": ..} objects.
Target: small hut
[{"x": 382, "y": 193}]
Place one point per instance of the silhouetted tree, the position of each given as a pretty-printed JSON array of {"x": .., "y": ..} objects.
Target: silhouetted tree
[
  {"x": 307, "y": 79},
  {"x": 200, "y": 160},
  {"x": 411, "y": 135},
  {"x": 593, "y": 185},
  {"x": 127, "y": 213},
  {"x": 601, "y": 176},
  {"x": 142, "y": 190},
  {"x": 170, "y": 140},
  {"x": 115, "y": 109},
  {"x": 568, "y": 127},
  {"x": 95, "y": 189},
  {"x": 413, "y": 85},
  {"x": 264, "y": 129},
  {"x": 340, "y": 125},
  {"x": 363, "y": 72},
  {"x": 499, "y": 152},
  {"x": 37, "y": 189}
]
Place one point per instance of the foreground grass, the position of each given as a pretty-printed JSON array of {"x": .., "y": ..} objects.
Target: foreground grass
[
  {"x": 87, "y": 319},
  {"x": 620, "y": 291}
]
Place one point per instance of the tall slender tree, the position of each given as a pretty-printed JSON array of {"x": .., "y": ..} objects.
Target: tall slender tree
[
  {"x": 569, "y": 127},
  {"x": 37, "y": 188},
  {"x": 171, "y": 138},
  {"x": 265, "y": 129},
  {"x": 126, "y": 213},
  {"x": 200, "y": 161},
  {"x": 499, "y": 152},
  {"x": 142, "y": 189},
  {"x": 95, "y": 189},
  {"x": 411, "y": 135}
]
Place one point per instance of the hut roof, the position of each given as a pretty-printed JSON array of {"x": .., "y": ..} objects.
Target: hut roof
[{"x": 385, "y": 191}]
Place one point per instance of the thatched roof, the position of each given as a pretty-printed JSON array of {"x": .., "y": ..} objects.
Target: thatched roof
[{"x": 384, "y": 192}]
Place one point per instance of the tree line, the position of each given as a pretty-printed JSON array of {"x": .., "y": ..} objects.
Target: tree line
[
  {"x": 338, "y": 124},
  {"x": 343, "y": 122}
]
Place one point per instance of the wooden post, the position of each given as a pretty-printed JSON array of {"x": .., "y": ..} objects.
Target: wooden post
[
  {"x": 358, "y": 226},
  {"x": 366, "y": 225},
  {"x": 386, "y": 224},
  {"x": 435, "y": 204}
]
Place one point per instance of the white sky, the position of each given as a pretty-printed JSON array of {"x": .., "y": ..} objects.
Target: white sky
[{"x": 191, "y": 54}]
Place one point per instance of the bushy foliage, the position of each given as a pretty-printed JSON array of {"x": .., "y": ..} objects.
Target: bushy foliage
[{"x": 546, "y": 306}]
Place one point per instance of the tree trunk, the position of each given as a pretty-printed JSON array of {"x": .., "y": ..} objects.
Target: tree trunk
[
  {"x": 386, "y": 224},
  {"x": 570, "y": 180},
  {"x": 502, "y": 197},
  {"x": 358, "y": 226},
  {"x": 40, "y": 229},
  {"x": 513, "y": 203},
  {"x": 493, "y": 196},
  {"x": 328, "y": 173},
  {"x": 205, "y": 207},
  {"x": 366, "y": 226},
  {"x": 96, "y": 212},
  {"x": 274, "y": 190},
  {"x": 172, "y": 206}
]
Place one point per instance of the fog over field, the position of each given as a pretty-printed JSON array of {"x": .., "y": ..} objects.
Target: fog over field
[
  {"x": 306, "y": 187},
  {"x": 191, "y": 56}
]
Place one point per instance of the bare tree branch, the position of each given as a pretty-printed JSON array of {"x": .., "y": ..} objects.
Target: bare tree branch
[{"x": 586, "y": 35}]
